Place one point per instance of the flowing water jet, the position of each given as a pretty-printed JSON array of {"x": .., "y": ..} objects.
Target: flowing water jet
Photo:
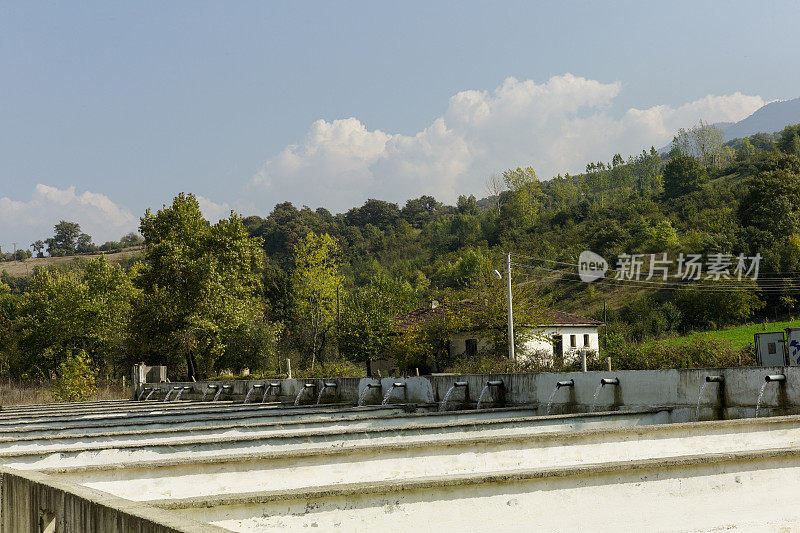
[
  {"x": 498, "y": 383},
  {"x": 709, "y": 379},
  {"x": 363, "y": 394},
  {"x": 777, "y": 378},
  {"x": 169, "y": 392},
  {"x": 443, "y": 405},
  {"x": 302, "y": 390},
  {"x": 208, "y": 389},
  {"x": 567, "y": 383},
  {"x": 395, "y": 385},
  {"x": 324, "y": 387},
  {"x": 603, "y": 383},
  {"x": 220, "y": 390},
  {"x": 273, "y": 385},
  {"x": 250, "y": 391},
  {"x": 180, "y": 392}
]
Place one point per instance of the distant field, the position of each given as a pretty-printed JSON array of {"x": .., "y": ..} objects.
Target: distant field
[
  {"x": 25, "y": 268},
  {"x": 739, "y": 336}
]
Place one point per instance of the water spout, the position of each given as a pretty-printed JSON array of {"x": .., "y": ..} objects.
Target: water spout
[
  {"x": 208, "y": 389},
  {"x": 152, "y": 391},
  {"x": 777, "y": 378},
  {"x": 250, "y": 391},
  {"x": 559, "y": 384},
  {"x": 443, "y": 405},
  {"x": 220, "y": 390},
  {"x": 709, "y": 379},
  {"x": 273, "y": 385},
  {"x": 173, "y": 389},
  {"x": 144, "y": 389},
  {"x": 363, "y": 394},
  {"x": 395, "y": 385},
  {"x": 603, "y": 383},
  {"x": 180, "y": 392},
  {"x": 302, "y": 390},
  {"x": 496, "y": 383},
  {"x": 325, "y": 386}
]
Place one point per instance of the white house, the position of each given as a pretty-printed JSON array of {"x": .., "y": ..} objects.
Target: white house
[{"x": 557, "y": 337}]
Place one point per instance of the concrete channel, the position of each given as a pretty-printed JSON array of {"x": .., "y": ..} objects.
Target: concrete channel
[{"x": 670, "y": 450}]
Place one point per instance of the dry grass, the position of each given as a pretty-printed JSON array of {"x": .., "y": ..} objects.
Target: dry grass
[
  {"x": 25, "y": 268},
  {"x": 13, "y": 392}
]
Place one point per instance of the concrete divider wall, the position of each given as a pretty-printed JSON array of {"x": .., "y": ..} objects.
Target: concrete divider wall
[
  {"x": 735, "y": 398},
  {"x": 32, "y": 501}
]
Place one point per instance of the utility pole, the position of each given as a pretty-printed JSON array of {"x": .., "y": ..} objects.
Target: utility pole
[{"x": 511, "y": 354}]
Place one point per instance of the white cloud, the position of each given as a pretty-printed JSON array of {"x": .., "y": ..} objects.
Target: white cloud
[
  {"x": 211, "y": 210},
  {"x": 556, "y": 126},
  {"x": 96, "y": 213}
]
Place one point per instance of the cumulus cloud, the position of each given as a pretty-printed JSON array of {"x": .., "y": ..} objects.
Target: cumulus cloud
[
  {"x": 556, "y": 126},
  {"x": 96, "y": 213},
  {"x": 212, "y": 211}
]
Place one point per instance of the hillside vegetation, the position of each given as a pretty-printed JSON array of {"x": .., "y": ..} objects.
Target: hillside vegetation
[{"x": 324, "y": 288}]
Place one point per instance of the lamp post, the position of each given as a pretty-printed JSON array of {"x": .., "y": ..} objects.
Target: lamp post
[{"x": 510, "y": 304}]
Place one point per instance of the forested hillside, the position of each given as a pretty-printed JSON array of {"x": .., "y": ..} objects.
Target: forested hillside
[{"x": 326, "y": 289}]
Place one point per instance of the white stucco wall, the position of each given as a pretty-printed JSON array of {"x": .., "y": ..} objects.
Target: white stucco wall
[{"x": 541, "y": 340}]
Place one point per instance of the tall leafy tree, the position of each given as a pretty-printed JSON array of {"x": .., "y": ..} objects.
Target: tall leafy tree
[
  {"x": 69, "y": 311},
  {"x": 315, "y": 281},
  {"x": 198, "y": 283},
  {"x": 65, "y": 238}
]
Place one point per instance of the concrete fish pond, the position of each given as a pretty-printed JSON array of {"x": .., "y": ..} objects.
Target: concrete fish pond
[{"x": 679, "y": 450}]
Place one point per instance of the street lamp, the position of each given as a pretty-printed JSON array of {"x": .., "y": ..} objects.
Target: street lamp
[{"x": 509, "y": 302}]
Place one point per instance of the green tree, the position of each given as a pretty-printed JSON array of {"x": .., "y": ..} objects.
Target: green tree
[
  {"x": 76, "y": 379},
  {"x": 527, "y": 190},
  {"x": 789, "y": 140},
  {"x": 315, "y": 280},
  {"x": 367, "y": 324},
  {"x": 64, "y": 241},
  {"x": 198, "y": 282},
  {"x": 67, "y": 311},
  {"x": 682, "y": 175}
]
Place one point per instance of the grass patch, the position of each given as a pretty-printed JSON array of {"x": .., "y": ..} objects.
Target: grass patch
[{"x": 739, "y": 336}]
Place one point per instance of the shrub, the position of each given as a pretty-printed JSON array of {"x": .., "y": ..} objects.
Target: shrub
[{"x": 76, "y": 379}]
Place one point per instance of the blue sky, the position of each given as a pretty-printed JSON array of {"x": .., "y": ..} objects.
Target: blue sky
[{"x": 109, "y": 108}]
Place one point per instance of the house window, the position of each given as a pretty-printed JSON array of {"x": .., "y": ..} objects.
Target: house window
[
  {"x": 771, "y": 347},
  {"x": 472, "y": 347},
  {"x": 586, "y": 340},
  {"x": 572, "y": 342}
]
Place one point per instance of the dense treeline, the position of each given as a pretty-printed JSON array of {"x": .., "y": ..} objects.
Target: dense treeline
[{"x": 324, "y": 289}]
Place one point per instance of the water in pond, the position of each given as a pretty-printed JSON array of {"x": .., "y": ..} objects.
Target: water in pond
[
  {"x": 388, "y": 393},
  {"x": 249, "y": 392},
  {"x": 443, "y": 405},
  {"x": 217, "y": 395},
  {"x": 550, "y": 400},
  {"x": 594, "y": 398},
  {"x": 480, "y": 398},
  {"x": 362, "y": 396},
  {"x": 760, "y": 396},
  {"x": 699, "y": 398}
]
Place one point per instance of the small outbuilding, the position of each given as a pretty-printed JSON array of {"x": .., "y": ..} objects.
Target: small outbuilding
[{"x": 556, "y": 337}]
